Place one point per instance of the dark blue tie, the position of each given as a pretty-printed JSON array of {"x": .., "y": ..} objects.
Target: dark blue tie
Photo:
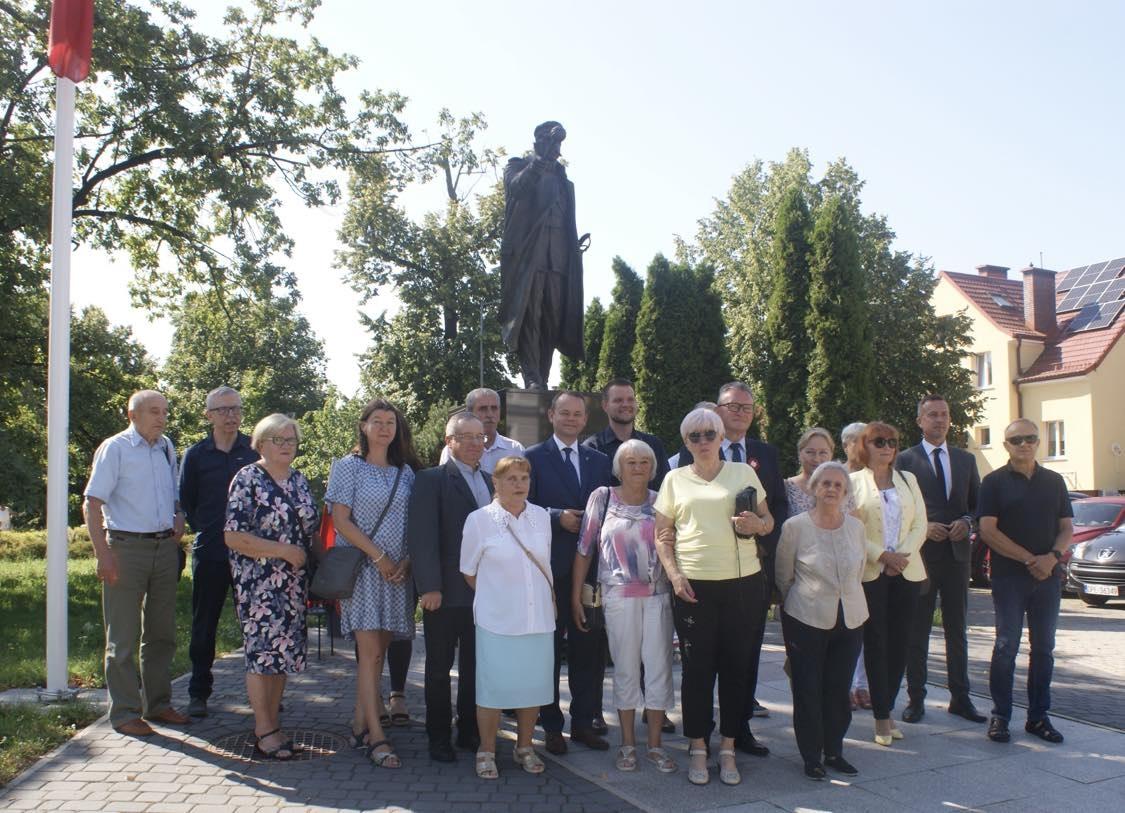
[
  {"x": 736, "y": 453},
  {"x": 939, "y": 469},
  {"x": 570, "y": 474}
]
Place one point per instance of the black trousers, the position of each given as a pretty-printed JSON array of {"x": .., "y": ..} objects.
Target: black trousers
[
  {"x": 715, "y": 639},
  {"x": 210, "y": 586},
  {"x": 822, "y": 663},
  {"x": 585, "y": 666},
  {"x": 949, "y": 580},
  {"x": 756, "y": 644},
  {"x": 891, "y": 602},
  {"x": 450, "y": 632}
]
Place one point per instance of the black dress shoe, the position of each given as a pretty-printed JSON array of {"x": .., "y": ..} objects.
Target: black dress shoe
[
  {"x": 814, "y": 770},
  {"x": 914, "y": 713},
  {"x": 998, "y": 730},
  {"x": 965, "y": 709},
  {"x": 598, "y": 726},
  {"x": 1043, "y": 730},
  {"x": 840, "y": 765},
  {"x": 746, "y": 743},
  {"x": 555, "y": 743},
  {"x": 587, "y": 737},
  {"x": 470, "y": 742},
  {"x": 442, "y": 751}
]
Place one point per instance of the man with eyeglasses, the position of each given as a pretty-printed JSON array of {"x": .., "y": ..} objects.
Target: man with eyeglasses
[
  {"x": 484, "y": 404},
  {"x": 443, "y": 497},
  {"x": 135, "y": 525},
  {"x": 1025, "y": 518},
  {"x": 205, "y": 477},
  {"x": 735, "y": 406}
]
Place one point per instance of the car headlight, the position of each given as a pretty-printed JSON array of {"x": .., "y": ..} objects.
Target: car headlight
[{"x": 1080, "y": 550}]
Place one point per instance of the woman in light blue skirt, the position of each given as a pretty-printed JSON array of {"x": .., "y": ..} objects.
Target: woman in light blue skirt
[{"x": 506, "y": 558}]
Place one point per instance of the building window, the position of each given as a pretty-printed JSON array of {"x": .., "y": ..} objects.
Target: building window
[
  {"x": 984, "y": 437},
  {"x": 1056, "y": 439},
  {"x": 982, "y": 369}
]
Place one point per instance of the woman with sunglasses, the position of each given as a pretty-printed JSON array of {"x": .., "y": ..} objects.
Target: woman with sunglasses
[
  {"x": 890, "y": 505},
  {"x": 718, "y": 584}
]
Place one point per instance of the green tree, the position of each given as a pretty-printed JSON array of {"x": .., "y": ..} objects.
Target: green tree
[
  {"x": 327, "y": 434},
  {"x": 616, "y": 359},
  {"x": 840, "y": 384},
  {"x": 785, "y": 374},
  {"x": 264, "y": 348},
  {"x": 583, "y": 375},
  {"x": 680, "y": 356},
  {"x": 438, "y": 267}
]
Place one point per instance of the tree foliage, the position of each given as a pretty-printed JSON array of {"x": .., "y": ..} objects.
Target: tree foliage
[
  {"x": 327, "y": 434},
  {"x": 680, "y": 357},
  {"x": 582, "y": 376},
  {"x": 616, "y": 358}
]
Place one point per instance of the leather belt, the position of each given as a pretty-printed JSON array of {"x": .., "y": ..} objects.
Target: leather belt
[{"x": 132, "y": 535}]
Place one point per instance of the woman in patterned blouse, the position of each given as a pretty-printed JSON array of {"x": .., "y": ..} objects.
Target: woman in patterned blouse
[
  {"x": 271, "y": 517},
  {"x": 814, "y": 447}
]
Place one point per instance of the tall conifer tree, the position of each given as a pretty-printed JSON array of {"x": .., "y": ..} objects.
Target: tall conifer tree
[{"x": 620, "y": 325}]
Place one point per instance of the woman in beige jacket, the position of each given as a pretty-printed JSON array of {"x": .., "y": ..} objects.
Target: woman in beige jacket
[{"x": 890, "y": 505}]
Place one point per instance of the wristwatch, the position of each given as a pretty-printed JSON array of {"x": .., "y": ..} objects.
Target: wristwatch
[{"x": 1056, "y": 554}]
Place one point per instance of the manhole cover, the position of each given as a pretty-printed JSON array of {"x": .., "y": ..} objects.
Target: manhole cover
[{"x": 313, "y": 744}]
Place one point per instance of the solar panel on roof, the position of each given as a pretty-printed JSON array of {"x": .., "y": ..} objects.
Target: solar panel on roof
[
  {"x": 1096, "y": 316},
  {"x": 1063, "y": 280},
  {"x": 1108, "y": 274},
  {"x": 1070, "y": 301}
]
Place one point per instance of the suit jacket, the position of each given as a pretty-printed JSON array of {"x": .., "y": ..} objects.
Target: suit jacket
[
  {"x": 550, "y": 490},
  {"x": 439, "y": 504},
  {"x": 961, "y": 503},
  {"x": 764, "y": 459},
  {"x": 912, "y": 531}
]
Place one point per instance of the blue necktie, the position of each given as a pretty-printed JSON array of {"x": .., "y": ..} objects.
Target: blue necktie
[
  {"x": 736, "y": 453},
  {"x": 939, "y": 470},
  {"x": 570, "y": 474}
]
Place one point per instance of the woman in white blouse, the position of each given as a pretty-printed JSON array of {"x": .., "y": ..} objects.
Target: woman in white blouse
[
  {"x": 506, "y": 559},
  {"x": 890, "y": 506},
  {"x": 819, "y": 566}
]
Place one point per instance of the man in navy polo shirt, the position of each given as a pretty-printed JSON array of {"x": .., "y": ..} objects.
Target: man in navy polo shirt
[
  {"x": 1025, "y": 518},
  {"x": 205, "y": 477}
]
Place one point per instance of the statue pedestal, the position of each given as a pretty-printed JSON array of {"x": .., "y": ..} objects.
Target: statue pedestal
[{"x": 524, "y": 413}]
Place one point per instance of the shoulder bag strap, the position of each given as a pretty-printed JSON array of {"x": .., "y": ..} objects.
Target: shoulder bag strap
[
  {"x": 537, "y": 563},
  {"x": 292, "y": 507}
]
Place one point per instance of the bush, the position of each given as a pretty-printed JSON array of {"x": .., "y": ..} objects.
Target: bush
[{"x": 18, "y": 546}]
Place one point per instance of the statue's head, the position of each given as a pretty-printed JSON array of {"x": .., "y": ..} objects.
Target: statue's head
[{"x": 548, "y": 140}]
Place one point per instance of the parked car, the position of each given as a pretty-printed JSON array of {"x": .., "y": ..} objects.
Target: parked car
[{"x": 1097, "y": 568}]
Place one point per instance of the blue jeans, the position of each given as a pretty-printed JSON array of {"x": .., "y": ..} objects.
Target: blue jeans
[{"x": 1013, "y": 596}]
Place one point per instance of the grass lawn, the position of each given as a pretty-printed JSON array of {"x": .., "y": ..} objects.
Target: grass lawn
[{"x": 28, "y": 731}]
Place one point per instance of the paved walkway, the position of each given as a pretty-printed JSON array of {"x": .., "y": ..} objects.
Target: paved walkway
[{"x": 944, "y": 764}]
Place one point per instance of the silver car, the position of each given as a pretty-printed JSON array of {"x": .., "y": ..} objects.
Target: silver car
[{"x": 1097, "y": 567}]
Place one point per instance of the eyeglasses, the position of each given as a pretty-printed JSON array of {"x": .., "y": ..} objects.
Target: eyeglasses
[
  {"x": 746, "y": 409},
  {"x": 468, "y": 437},
  {"x": 882, "y": 443},
  {"x": 278, "y": 441},
  {"x": 709, "y": 435},
  {"x": 1020, "y": 440},
  {"x": 226, "y": 412}
]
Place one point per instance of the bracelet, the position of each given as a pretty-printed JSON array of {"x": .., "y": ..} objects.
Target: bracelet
[{"x": 382, "y": 555}]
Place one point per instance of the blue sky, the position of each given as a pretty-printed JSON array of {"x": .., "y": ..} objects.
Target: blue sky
[{"x": 986, "y": 132}]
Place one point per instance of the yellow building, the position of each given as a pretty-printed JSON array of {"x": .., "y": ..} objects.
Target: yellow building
[{"x": 1047, "y": 347}]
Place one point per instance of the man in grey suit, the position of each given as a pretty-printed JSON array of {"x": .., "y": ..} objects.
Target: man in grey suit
[
  {"x": 442, "y": 498},
  {"x": 950, "y": 482}
]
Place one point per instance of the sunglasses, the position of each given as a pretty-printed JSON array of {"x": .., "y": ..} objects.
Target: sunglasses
[
  {"x": 709, "y": 435},
  {"x": 882, "y": 443},
  {"x": 1020, "y": 440}
]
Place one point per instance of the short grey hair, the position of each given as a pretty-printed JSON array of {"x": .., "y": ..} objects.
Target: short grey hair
[
  {"x": 735, "y": 385},
  {"x": 270, "y": 426},
  {"x": 700, "y": 420},
  {"x": 472, "y": 398},
  {"x": 456, "y": 419},
  {"x": 138, "y": 399},
  {"x": 823, "y": 469},
  {"x": 705, "y": 405},
  {"x": 851, "y": 432},
  {"x": 632, "y": 446},
  {"x": 221, "y": 392}
]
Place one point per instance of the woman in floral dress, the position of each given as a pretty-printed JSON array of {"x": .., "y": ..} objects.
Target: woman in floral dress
[
  {"x": 369, "y": 491},
  {"x": 271, "y": 517}
]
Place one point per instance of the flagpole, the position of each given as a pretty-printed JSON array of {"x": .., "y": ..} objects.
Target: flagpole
[{"x": 58, "y": 396}]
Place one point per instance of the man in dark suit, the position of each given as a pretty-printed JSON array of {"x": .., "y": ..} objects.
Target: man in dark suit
[
  {"x": 563, "y": 474},
  {"x": 950, "y": 482},
  {"x": 442, "y": 498},
  {"x": 735, "y": 406}
]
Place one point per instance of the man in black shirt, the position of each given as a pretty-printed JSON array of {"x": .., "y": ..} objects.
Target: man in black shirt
[
  {"x": 205, "y": 477},
  {"x": 619, "y": 401},
  {"x": 1025, "y": 518}
]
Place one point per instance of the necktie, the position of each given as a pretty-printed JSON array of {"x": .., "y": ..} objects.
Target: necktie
[
  {"x": 568, "y": 471},
  {"x": 736, "y": 452},
  {"x": 939, "y": 469}
]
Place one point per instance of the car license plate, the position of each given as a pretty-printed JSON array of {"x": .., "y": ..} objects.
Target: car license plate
[{"x": 1101, "y": 589}]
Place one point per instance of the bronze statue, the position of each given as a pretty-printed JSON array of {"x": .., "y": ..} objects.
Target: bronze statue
[{"x": 540, "y": 259}]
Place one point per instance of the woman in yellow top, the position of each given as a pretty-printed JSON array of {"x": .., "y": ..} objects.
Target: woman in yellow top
[
  {"x": 718, "y": 583},
  {"x": 890, "y": 505}
]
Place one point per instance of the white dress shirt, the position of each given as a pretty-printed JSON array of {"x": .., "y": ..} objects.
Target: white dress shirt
[
  {"x": 501, "y": 447},
  {"x": 945, "y": 464},
  {"x": 741, "y": 443}
]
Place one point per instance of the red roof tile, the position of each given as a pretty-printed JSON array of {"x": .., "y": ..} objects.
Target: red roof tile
[{"x": 1065, "y": 354}]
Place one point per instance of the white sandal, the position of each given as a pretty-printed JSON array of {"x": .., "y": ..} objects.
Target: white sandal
[
  {"x": 527, "y": 759},
  {"x": 659, "y": 758},
  {"x": 698, "y": 776},
  {"x": 731, "y": 777},
  {"x": 626, "y": 758},
  {"x": 486, "y": 765}
]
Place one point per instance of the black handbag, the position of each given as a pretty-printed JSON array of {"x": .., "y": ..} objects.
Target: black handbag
[{"x": 338, "y": 568}]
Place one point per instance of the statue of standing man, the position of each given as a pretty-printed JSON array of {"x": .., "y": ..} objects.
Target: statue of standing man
[{"x": 540, "y": 260}]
